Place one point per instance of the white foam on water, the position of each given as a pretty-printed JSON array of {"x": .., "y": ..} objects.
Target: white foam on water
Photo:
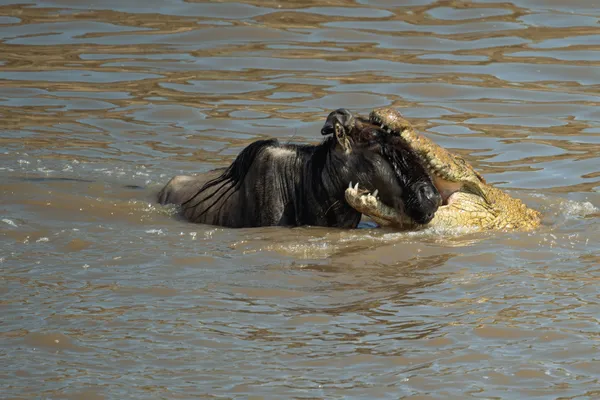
[
  {"x": 42, "y": 239},
  {"x": 155, "y": 231},
  {"x": 441, "y": 231},
  {"x": 304, "y": 251},
  {"x": 9, "y": 222},
  {"x": 578, "y": 209},
  {"x": 45, "y": 170},
  {"x": 413, "y": 234}
]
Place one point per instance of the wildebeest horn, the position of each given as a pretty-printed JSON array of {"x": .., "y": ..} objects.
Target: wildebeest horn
[{"x": 340, "y": 118}]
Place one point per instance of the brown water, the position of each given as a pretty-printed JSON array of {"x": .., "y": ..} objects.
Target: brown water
[{"x": 107, "y": 295}]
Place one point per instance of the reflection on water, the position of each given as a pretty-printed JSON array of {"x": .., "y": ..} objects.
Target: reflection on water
[{"x": 107, "y": 295}]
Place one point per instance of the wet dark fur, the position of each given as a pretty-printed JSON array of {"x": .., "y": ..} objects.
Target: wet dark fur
[
  {"x": 292, "y": 185},
  {"x": 420, "y": 198}
]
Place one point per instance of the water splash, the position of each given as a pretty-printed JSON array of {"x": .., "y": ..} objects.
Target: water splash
[{"x": 10, "y": 222}]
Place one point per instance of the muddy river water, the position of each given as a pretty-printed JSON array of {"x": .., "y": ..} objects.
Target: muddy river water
[{"x": 107, "y": 295}]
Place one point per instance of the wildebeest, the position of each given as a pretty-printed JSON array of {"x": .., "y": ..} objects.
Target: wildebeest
[{"x": 292, "y": 184}]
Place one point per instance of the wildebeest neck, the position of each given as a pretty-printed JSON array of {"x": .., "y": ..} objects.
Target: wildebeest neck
[{"x": 321, "y": 185}]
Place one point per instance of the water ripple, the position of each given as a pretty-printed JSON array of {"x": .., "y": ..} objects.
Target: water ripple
[{"x": 107, "y": 294}]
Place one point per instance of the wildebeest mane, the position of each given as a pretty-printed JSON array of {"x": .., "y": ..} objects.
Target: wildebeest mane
[
  {"x": 233, "y": 175},
  {"x": 312, "y": 185}
]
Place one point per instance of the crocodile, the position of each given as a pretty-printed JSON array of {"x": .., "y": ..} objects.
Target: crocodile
[{"x": 467, "y": 199}]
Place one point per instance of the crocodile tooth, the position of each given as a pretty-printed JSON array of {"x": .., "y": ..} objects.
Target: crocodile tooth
[
  {"x": 350, "y": 185},
  {"x": 382, "y": 126},
  {"x": 375, "y": 193},
  {"x": 356, "y": 187}
]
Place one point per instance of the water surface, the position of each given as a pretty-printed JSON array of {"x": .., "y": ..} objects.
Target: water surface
[{"x": 107, "y": 295}]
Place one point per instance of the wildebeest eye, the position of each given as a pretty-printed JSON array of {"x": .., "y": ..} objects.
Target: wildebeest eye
[{"x": 340, "y": 118}]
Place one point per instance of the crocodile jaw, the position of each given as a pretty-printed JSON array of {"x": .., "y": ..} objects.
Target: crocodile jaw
[
  {"x": 451, "y": 214},
  {"x": 440, "y": 162},
  {"x": 468, "y": 201},
  {"x": 450, "y": 174}
]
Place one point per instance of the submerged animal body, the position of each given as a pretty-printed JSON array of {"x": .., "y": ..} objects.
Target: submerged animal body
[
  {"x": 291, "y": 185},
  {"x": 468, "y": 201}
]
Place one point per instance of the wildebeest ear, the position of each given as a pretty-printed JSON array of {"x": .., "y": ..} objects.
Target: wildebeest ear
[{"x": 338, "y": 121}]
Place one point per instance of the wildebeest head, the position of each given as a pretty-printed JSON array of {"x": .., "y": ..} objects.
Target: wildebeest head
[{"x": 382, "y": 164}]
